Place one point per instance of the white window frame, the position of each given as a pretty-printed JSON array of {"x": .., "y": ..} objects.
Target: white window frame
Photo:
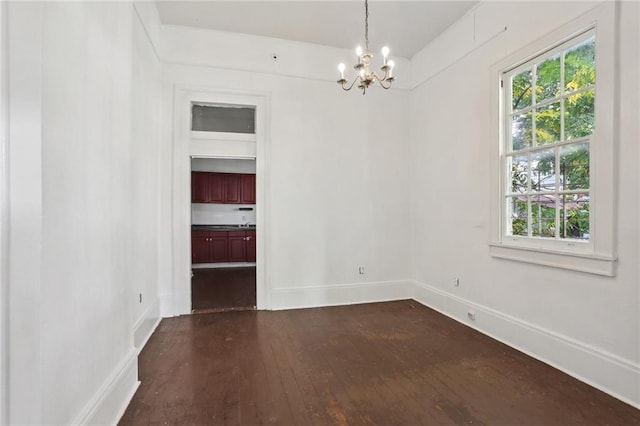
[{"x": 597, "y": 255}]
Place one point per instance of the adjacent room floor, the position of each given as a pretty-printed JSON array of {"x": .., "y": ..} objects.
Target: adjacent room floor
[
  {"x": 395, "y": 363},
  {"x": 223, "y": 289}
]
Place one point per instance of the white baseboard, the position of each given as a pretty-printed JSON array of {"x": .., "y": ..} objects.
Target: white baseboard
[
  {"x": 614, "y": 375},
  {"x": 112, "y": 398},
  {"x": 166, "y": 305},
  {"x": 146, "y": 324},
  {"x": 343, "y": 294}
]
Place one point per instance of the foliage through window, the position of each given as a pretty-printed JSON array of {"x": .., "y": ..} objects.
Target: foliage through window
[{"x": 549, "y": 127}]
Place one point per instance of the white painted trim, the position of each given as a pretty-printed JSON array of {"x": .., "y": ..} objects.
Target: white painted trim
[
  {"x": 109, "y": 403},
  {"x": 26, "y": 211},
  {"x": 582, "y": 262},
  {"x": 603, "y": 164},
  {"x": 146, "y": 325},
  {"x": 166, "y": 305},
  {"x": 342, "y": 294},
  {"x": 223, "y": 136},
  {"x": 608, "y": 372},
  {"x": 183, "y": 150}
]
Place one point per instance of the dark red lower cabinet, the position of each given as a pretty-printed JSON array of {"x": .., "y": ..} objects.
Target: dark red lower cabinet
[{"x": 223, "y": 246}]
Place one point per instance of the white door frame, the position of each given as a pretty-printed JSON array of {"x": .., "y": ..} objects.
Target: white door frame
[{"x": 185, "y": 146}]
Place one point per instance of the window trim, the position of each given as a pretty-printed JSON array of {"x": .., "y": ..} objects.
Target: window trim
[{"x": 598, "y": 256}]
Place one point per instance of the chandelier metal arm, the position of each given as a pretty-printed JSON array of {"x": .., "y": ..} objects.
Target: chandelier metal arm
[
  {"x": 383, "y": 80},
  {"x": 346, "y": 89}
]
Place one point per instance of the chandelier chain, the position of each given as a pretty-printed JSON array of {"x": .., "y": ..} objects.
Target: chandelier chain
[{"x": 366, "y": 24}]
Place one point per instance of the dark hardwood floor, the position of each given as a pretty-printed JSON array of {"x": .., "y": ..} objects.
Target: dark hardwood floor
[
  {"x": 395, "y": 363},
  {"x": 223, "y": 289}
]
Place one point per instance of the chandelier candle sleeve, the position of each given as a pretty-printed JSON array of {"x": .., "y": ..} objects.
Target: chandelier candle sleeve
[{"x": 365, "y": 77}]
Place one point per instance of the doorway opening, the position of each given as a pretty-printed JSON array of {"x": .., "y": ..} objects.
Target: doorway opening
[
  {"x": 203, "y": 128},
  {"x": 223, "y": 234}
]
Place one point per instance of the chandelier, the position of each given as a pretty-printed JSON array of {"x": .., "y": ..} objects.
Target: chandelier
[{"x": 365, "y": 76}]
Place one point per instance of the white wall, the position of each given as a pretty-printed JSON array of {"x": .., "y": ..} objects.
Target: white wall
[
  {"x": 336, "y": 169},
  {"x": 243, "y": 52},
  {"x": 582, "y": 323},
  {"x": 145, "y": 176},
  {"x": 81, "y": 133},
  {"x": 4, "y": 213}
]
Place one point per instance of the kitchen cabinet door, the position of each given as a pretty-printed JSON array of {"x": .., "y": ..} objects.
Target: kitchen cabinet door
[
  {"x": 216, "y": 188},
  {"x": 248, "y": 193},
  {"x": 218, "y": 247},
  {"x": 232, "y": 188},
  {"x": 237, "y": 246},
  {"x": 199, "y": 187},
  {"x": 200, "y": 248},
  {"x": 251, "y": 246}
]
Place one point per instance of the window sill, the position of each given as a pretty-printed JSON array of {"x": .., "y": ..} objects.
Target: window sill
[{"x": 583, "y": 262}]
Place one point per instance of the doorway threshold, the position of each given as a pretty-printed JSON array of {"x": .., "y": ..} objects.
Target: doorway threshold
[
  {"x": 220, "y": 310},
  {"x": 222, "y": 265}
]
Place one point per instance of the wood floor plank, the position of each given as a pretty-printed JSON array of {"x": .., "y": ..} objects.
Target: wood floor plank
[{"x": 395, "y": 363}]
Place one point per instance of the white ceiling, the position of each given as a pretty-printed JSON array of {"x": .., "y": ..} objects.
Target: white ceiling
[{"x": 404, "y": 26}]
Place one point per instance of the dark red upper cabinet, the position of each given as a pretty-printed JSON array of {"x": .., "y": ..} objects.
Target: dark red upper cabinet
[
  {"x": 231, "y": 188},
  {"x": 199, "y": 187},
  {"x": 248, "y": 189},
  {"x": 216, "y": 188}
]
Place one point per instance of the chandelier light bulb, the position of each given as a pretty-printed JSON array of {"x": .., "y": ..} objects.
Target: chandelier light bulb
[
  {"x": 359, "y": 51},
  {"x": 385, "y": 55},
  {"x": 341, "y": 68}
]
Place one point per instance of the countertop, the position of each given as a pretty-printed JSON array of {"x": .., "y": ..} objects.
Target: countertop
[{"x": 221, "y": 227}]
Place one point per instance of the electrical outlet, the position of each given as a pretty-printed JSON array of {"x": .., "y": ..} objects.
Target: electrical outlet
[
  {"x": 471, "y": 315},
  {"x": 361, "y": 270},
  {"x": 140, "y": 297},
  {"x": 456, "y": 282}
]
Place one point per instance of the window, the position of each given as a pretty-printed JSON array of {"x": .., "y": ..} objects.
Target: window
[
  {"x": 554, "y": 113},
  {"x": 550, "y": 122},
  {"x": 223, "y": 118}
]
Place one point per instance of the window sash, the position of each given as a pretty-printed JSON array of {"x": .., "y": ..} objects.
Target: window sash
[{"x": 507, "y": 152}]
